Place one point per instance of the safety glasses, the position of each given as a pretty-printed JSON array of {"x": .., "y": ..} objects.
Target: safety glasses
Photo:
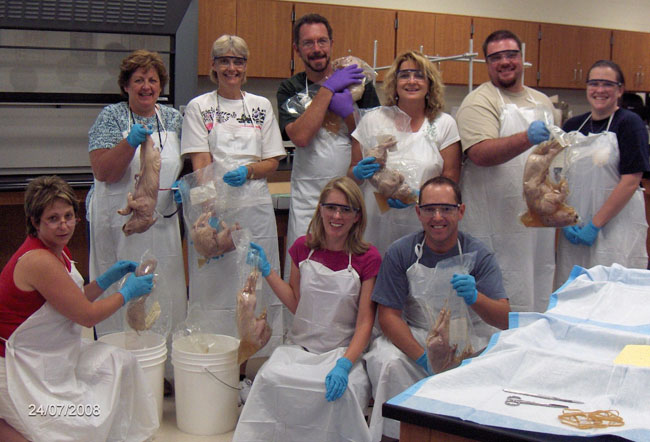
[
  {"x": 332, "y": 209},
  {"x": 55, "y": 221},
  {"x": 407, "y": 74},
  {"x": 509, "y": 54},
  {"x": 443, "y": 210},
  {"x": 224, "y": 61},
  {"x": 605, "y": 84}
]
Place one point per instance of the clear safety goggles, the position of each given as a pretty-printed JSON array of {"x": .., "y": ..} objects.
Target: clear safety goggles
[
  {"x": 443, "y": 210},
  {"x": 509, "y": 54},
  {"x": 605, "y": 84},
  {"x": 332, "y": 209},
  {"x": 407, "y": 74},
  {"x": 311, "y": 44},
  {"x": 224, "y": 61},
  {"x": 55, "y": 221}
]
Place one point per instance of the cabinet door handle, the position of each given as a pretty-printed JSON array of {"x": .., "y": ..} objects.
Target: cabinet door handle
[
  {"x": 580, "y": 74},
  {"x": 575, "y": 74}
]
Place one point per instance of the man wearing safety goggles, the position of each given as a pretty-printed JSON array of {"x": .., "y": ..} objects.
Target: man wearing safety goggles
[
  {"x": 499, "y": 122},
  {"x": 320, "y": 155},
  {"x": 432, "y": 267}
]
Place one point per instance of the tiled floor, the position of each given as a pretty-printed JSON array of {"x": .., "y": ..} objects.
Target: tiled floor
[{"x": 169, "y": 432}]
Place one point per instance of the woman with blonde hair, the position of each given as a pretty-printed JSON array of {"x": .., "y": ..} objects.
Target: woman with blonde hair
[
  {"x": 428, "y": 143},
  {"x": 316, "y": 387},
  {"x": 237, "y": 130}
]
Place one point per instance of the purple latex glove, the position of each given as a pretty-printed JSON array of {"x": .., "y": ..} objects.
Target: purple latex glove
[
  {"x": 343, "y": 78},
  {"x": 341, "y": 103}
]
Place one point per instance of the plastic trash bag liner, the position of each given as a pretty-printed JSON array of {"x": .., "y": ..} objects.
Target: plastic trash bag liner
[
  {"x": 206, "y": 199},
  {"x": 252, "y": 325},
  {"x": 397, "y": 178},
  {"x": 545, "y": 185},
  {"x": 151, "y": 312},
  {"x": 445, "y": 315}
]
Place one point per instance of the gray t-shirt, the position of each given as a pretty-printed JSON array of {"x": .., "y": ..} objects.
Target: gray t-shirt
[{"x": 392, "y": 286}]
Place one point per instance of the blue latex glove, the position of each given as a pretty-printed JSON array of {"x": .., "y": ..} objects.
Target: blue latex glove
[
  {"x": 136, "y": 286},
  {"x": 342, "y": 78},
  {"x": 214, "y": 223},
  {"x": 465, "y": 286},
  {"x": 237, "y": 177},
  {"x": 585, "y": 235},
  {"x": 137, "y": 135},
  {"x": 262, "y": 263},
  {"x": 177, "y": 191},
  {"x": 397, "y": 204},
  {"x": 537, "y": 132},
  {"x": 571, "y": 234},
  {"x": 341, "y": 103},
  {"x": 337, "y": 380},
  {"x": 115, "y": 273},
  {"x": 365, "y": 168},
  {"x": 423, "y": 361}
]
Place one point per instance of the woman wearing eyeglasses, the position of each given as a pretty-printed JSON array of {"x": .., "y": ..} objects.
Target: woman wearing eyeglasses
[
  {"x": 429, "y": 146},
  {"x": 316, "y": 388},
  {"x": 53, "y": 386},
  {"x": 239, "y": 131},
  {"x": 604, "y": 173},
  {"x": 114, "y": 143}
]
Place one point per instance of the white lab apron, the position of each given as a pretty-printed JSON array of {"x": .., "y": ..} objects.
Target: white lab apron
[
  {"x": 494, "y": 200},
  {"x": 109, "y": 244},
  {"x": 592, "y": 175},
  {"x": 48, "y": 364},
  {"x": 287, "y": 401},
  {"x": 214, "y": 286},
  {"x": 390, "y": 370},
  {"x": 420, "y": 153},
  {"x": 327, "y": 156}
]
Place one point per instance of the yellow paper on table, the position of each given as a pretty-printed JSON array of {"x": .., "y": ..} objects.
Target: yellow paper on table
[{"x": 638, "y": 355}]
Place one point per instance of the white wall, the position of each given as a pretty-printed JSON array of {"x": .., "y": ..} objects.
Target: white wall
[{"x": 633, "y": 15}]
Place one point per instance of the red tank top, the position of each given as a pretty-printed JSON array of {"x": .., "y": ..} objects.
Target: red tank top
[{"x": 17, "y": 305}]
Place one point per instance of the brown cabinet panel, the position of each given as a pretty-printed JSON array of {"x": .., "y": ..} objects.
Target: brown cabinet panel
[
  {"x": 452, "y": 34},
  {"x": 567, "y": 52},
  {"x": 415, "y": 32},
  {"x": 631, "y": 50},
  {"x": 216, "y": 17},
  {"x": 266, "y": 27},
  {"x": 528, "y": 33},
  {"x": 354, "y": 31}
]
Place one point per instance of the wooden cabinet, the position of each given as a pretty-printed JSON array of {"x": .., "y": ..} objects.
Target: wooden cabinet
[
  {"x": 528, "y": 33},
  {"x": 567, "y": 52},
  {"x": 354, "y": 31},
  {"x": 436, "y": 35},
  {"x": 216, "y": 17},
  {"x": 630, "y": 51},
  {"x": 265, "y": 25}
]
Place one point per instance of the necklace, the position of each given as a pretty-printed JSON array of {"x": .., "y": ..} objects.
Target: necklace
[{"x": 157, "y": 124}]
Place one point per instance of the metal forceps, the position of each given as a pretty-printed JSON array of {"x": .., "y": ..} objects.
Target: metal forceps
[{"x": 515, "y": 401}]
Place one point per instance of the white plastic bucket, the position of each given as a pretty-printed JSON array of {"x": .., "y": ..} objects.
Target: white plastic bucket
[
  {"x": 206, "y": 402},
  {"x": 150, "y": 351}
]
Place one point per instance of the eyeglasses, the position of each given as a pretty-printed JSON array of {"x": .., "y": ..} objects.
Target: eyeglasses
[
  {"x": 332, "y": 209},
  {"x": 224, "y": 61},
  {"x": 310, "y": 44},
  {"x": 55, "y": 221},
  {"x": 509, "y": 54},
  {"x": 443, "y": 210},
  {"x": 605, "y": 84},
  {"x": 407, "y": 74}
]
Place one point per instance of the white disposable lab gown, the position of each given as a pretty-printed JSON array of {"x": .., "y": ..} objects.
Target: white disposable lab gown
[
  {"x": 592, "y": 175},
  {"x": 494, "y": 199},
  {"x": 287, "y": 401},
  {"x": 67, "y": 389}
]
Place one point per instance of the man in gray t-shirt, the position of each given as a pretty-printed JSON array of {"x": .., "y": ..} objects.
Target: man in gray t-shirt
[{"x": 398, "y": 359}]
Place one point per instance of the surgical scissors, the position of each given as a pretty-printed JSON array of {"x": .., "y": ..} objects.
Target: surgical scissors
[{"x": 515, "y": 401}]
